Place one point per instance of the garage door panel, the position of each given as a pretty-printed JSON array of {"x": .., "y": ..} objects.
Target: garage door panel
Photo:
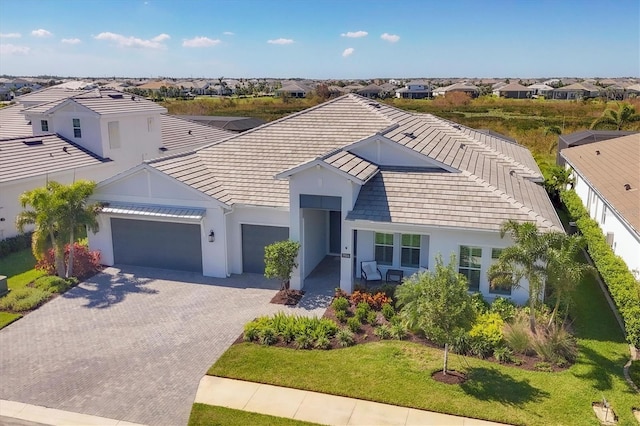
[
  {"x": 157, "y": 244},
  {"x": 254, "y": 239}
]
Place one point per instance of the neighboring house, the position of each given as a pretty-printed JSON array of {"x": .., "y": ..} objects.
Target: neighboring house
[
  {"x": 91, "y": 134},
  {"x": 577, "y": 91},
  {"x": 586, "y": 137},
  {"x": 415, "y": 89},
  {"x": 541, "y": 89},
  {"x": 513, "y": 91},
  {"x": 351, "y": 177},
  {"x": 464, "y": 87},
  {"x": 607, "y": 179},
  {"x": 293, "y": 90},
  {"x": 232, "y": 124},
  {"x": 371, "y": 91}
]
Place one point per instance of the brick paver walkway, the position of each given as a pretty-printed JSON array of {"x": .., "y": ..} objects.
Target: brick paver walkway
[{"x": 130, "y": 344}]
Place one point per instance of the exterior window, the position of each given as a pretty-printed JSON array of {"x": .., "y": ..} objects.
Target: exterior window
[
  {"x": 384, "y": 249},
  {"x": 470, "y": 264},
  {"x": 44, "y": 125},
  {"x": 604, "y": 214},
  {"x": 114, "y": 134},
  {"x": 410, "y": 257},
  {"x": 506, "y": 291},
  {"x": 77, "y": 132}
]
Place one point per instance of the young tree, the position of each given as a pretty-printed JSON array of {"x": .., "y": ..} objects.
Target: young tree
[
  {"x": 626, "y": 114},
  {"x": 77, "y": 213},
  {"x": 525, "y": 259},
  {"x": 280, "y": 259},
  {"x": 437, "y": 303}
]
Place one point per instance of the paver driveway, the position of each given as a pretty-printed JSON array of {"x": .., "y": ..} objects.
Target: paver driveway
[{"x": 129, "y": 344}]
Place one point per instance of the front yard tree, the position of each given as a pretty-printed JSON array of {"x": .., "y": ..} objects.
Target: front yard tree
[
  {"x": 437, "y": 304},
  {"x": 280, "y": 259}
]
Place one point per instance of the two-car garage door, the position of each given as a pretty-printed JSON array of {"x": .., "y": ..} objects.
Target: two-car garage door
[{"x": 156, "y": 244}]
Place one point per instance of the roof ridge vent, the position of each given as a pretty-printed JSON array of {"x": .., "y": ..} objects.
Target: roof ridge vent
[
  {"x": 627, "y": 187},
  {"x": 33, "y": 142},
  {"x": 409, "y": 135},
  {"x": 597, "y": 152}
]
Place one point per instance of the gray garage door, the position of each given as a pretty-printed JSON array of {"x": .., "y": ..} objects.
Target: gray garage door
[
  {"x": 254, "y": 240},
  {"x": 157, "y": 244}
]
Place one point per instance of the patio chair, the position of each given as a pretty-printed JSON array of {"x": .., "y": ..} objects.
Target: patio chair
[{"x": 369, "y": 271}]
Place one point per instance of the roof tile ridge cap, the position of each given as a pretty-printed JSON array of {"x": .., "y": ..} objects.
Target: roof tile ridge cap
[
  {"x": 365, "y": 103},
  {"x": 173, "y": 156},
  {"x": 270, "y": 123},
  {"x": 537, "y": 217}
]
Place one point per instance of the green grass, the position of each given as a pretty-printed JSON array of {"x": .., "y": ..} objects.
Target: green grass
[
  {"x": 7, "y": 318},
  {"x": 399, "y": 373},
  {"x": 207, "y": 415},
  {"x": 634, "y": 372},
  {"x": 19, "y": 269}
]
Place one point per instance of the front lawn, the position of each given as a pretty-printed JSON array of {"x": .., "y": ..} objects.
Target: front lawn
[
  {"x": 634, "y": 372},
  {"x": 207, "y": 415},
  {"x": 19, "y": 268},
  {"x": 399, "y": 373}
]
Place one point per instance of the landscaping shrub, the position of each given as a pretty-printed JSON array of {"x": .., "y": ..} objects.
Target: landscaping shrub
[
  {"x": 24, "y": 299},
  {"x": 503, "y": 354},
  {"x": 375, "y": 301},
  {"x": 504, "y": 307},
  {"x": 461, "y": 343},
  {"x": 304, "y": 341},
  {"x": 398, "y": 331},
  {"x": 388, "y": 312},
  {"x": 345, "y": 337},
  {"x": 362, "y": 310},
  {"x": 383, "y": 332},
  {"x": 290, "y": 328},
  {"x": 340, "y": 304},
  {"x": 372, "y": 317},
  {"x": 85, "y": 262},
  {"x": 53, "y": 284},
  {"x": 479, "y": 304},
  {"x": 15, "y": 244},
  {"x": 388, "y": 289},
  {"x": 480, "y": 347},
  {"x": 354, "y": 324},
  {"x": 614, "y": 271},
  {"x": 488, "y": 327},
  {"x": 251, "y": 331},
  {"x": 267, "y": 336},
  {"x": 516, "y": 335},
  {"x": 341, "y": 316},
  {"x": 555, "y": 344},
  {"x": 322, "y": 342}
]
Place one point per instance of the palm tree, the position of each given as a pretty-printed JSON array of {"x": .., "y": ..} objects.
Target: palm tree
[
  {"x": 626, "y": 114},
  {"x": 525, "y": 259},
  {"x": 77, "y": 213},
  {"x": 563, "y": 270},
  {"x": 47, "y": 206}
]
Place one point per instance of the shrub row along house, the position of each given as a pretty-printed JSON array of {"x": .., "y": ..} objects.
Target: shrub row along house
[{"x": 351, "y": 177}]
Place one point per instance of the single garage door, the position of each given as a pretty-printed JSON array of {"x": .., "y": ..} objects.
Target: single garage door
[
  {"x": 254, "y": 240},
  {"x": 157, "y": 244}
]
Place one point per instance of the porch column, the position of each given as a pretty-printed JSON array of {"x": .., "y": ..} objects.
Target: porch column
[
  {"x": 346, "y": 249},
  {"x": 295, "y": 234}
]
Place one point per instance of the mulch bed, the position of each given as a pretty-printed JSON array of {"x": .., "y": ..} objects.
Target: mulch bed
[
  {"x": 287, "y": 297},
  {"x": 451, "y": 378}
]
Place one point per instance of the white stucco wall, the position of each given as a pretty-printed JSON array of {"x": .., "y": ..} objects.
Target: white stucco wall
[
  {"x": 249, "y": 215},
  {"x": 386, "y": 153},
  {"x": 626, "y": 243},
  {"x": 436, "y": 241}
]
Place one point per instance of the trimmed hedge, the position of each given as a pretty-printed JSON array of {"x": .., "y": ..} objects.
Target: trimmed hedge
[
  {"x": 15, "y": 244},
  {"x": 622, "y": 285}
]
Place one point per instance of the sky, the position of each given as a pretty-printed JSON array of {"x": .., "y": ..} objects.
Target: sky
[{"x": 320, "y": 39}]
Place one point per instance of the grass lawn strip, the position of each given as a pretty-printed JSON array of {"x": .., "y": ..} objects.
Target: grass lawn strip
[
  {"x": 399, "y": 373},
  {"x": 207, "y": 415},
  {"x": 19, "y": 269},
  {"x": 7, "y": 318}
]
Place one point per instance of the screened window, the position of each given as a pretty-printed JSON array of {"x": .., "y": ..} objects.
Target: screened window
[
  {"x": 496, "y": 288},
  {"x": 604, "y": 215},
  {"x": 77, "y": 132},
  {"x": 44, "y": 125},
  {"x": 384, "y": 248},
  {"x": 470, "y": 264},
  {"x": 410, "y": 253}
]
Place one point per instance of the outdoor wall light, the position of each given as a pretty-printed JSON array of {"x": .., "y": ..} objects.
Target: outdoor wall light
[{"x": 212, "y": 236}]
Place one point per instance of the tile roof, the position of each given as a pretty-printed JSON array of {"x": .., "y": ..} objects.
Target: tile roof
[
  {"x": 103, "y": 102},
  {"x": 35, "y": 156},
  {"x": 241, "y": 169},
  {"x": 49, "y": 94},
  {"x": 13, "y": 123},
  {"x": 621, "y": 155},
  {"x": 179, "y": 134}
]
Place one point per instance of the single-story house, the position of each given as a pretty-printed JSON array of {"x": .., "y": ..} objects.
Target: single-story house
[
  {"x": 293, "y": 90},
  {"x": 541, "y": 89},
  {"x": 607, "y": 179},
  {"x": 586, "y": 137},
  {"x": 574, "y": 91},
  {"x": 371, "y": 91},
  {"x": 513, "y": 91},
  {"x": 415, "y": 89},
  {"x": 350, "y": 178},
  {"x": 464, "y": 87}
]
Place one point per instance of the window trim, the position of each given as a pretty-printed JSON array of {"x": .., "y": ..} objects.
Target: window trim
[
  {"x": 77, "y": 130},
  {"x": 470, "y": 268},
  {"x": 410, "y": 248},
  {"x": 384, "y": 245},
  {"x": 44, "y": 125}
]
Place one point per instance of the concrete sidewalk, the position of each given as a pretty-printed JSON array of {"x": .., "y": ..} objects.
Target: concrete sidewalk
[
  {"x": 38, "y": 415},
  {"x": 317, "y": 407}
]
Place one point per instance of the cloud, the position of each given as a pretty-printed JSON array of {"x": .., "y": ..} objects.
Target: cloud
[
  {"x": 348, "y": 52},
  {"x": 355, "y": 34},
  {"x": 134, "y": 42},
  {"x": 280, "y": 41},
  {"x": 391, "y": 38},
  {"x": 11, "y": 35},
  {"x": 41, "y": 33},
  {"x": 229, "y": 33},
  {"x": 11, "y": 49},
  {"x": 71, "y": 40},
  {"x": 200, "y": 42}
]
